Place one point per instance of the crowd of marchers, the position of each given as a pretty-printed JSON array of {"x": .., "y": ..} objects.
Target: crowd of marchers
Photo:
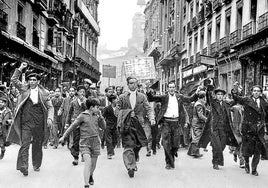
[{"x": 85, "y": 120}]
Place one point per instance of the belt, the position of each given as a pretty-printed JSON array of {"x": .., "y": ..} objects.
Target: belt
[{"x": 171, "y": 119}]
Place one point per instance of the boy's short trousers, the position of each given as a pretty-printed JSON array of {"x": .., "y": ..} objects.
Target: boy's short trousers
[{"x": 90, "y": 146}]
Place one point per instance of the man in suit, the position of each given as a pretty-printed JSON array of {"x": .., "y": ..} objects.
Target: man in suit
[
  {"x": 221, "y": 129},
  {"x": 254, "y": 130},
  {"x": 65, "y": 107},
  {"x": 56, "y": 132},
  {"x": 78, "y": 105},
  {"x": 138, "y": 104},
  {"x": 171, "y": 116},
  {"x": 111, "y": 126},
  {"x": 33, "y": 117}
]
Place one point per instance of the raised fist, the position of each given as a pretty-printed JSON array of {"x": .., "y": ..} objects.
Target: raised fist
[{"x": 23, "y": 65}]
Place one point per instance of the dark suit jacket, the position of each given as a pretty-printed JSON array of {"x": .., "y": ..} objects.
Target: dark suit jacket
[
  {"x": 142, "y": 108},
  {"x": 252, "y": 118},
  {"x": 163, "y": 99},
  {"x": 14, "y": 134},
  {"x": 75, "y": 110},
  {"x": 110, "y": 118}
]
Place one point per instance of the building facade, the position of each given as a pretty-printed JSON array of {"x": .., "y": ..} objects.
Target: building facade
[
  {"x": 223, "y": 39},
  {"x": 43, "y": 34}
]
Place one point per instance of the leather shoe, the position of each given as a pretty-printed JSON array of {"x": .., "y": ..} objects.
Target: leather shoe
[
  {"x": 37, "y": 169},
  {"x": 24, "y": 171},
  {"x": 148, "y": 154},
  {"x": 131, "y": 173},
  {"x": 255, "y": 173},
  {"x": 215, "y": 166},
  {"x": 91, "y": 180},
  {"x": 109, "y": 157},
  {"x": 168, "y": 167},
  {"x": 75, "y": 162}
]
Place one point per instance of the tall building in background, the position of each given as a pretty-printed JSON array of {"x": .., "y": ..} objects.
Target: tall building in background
[
  {"x": 57, "y": 38},
  {"x": 117, "y": 57},
  {"x": 191, "y": 40}
]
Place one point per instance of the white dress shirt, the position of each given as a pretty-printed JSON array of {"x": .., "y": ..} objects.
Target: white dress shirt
[
  {"x": 132, "y": 98},
  {"x": 34, "y": 95},
  {"x": 172, "y": 108}
]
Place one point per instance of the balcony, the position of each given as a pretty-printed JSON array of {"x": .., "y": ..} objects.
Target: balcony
[
  {"x": 189, "y": 28},
  {"x": 226, "y": 2},
  {"x": 66, "y": 22},
  {"x": 247, "y": 30},
  {"x": 41, "y": 4},
  {"x": 56, "y": 12},
  {"x": 83, "y": 54},
  {"x": 191, "y": 60},
  {"x": 224, "y": 44},
  {"x": 201, "y": 16},
  {"x": 194, "y": 22},
  {"x": 184, "y": 62},
  {"x": 263, "y": 22},
  {"x": 216, "y": 5},
  {"x": 3, "y": 20},
  {"x": 208, "y": 9},
  {"x": 35, "y": 38},
  {"x": 205, "y": 51},
  {"x": 235, "y": 37},
  {"x": 214, "y": 48},
  {"x": 21, "y": 31},
  {"x": 197, "y": 58}
]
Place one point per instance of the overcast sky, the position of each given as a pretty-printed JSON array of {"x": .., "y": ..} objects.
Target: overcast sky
[{"x": 115, "y": 17}]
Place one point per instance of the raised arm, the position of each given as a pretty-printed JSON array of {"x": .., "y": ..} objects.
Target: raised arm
[
  {"x": 75, "y": 124},
  {"x": 153, "y": 98},
  {"x": 16, "y": 76}
]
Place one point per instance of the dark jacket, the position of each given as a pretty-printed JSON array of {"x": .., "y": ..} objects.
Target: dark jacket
[
  {"x": 110, "y": 118},
  {"x": 14, "y": 135},
  {"x": 75, "y": 110},
  {"x": 5, "y": 118},
  {"x": 217, "y": 115},
  {"x": 131, "y": 130},
  {"x": 254, "y": 121},
  {"x": 163, "y": 99}
]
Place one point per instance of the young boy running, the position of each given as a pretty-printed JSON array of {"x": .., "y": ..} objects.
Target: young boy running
[{"x": 89, "y": 122}]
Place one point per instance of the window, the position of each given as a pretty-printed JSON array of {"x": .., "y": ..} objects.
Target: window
[
  {"x": 209, "y": 39},
  {"x": 239, "y": 18},
  {"x": 20, "y": 13},
  {"x": 190, "y": 47},
  {"x": 201, "y": 39},
  {"x": 197, "y": 8},
  {"x": 195, "y": 43},
  {"x": 183, "y": 35},
  {"x": 218, "y": 28}
]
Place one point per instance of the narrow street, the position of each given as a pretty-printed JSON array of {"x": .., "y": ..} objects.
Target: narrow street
[{"x": 58, "y": 172}]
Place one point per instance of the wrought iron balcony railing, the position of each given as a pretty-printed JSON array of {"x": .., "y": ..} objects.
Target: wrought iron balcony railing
[
  {"x": 21, "y": 31},
  {"x": 263, "y": 21},
  {"x": 235, "y": 37}
]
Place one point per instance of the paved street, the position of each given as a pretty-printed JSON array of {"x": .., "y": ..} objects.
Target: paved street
[{"x": 57, "y": 171}]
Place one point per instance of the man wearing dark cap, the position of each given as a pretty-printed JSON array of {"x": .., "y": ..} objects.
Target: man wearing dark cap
[
  {"x": 89, "y": 91},
  {"x": 221, "y": 130},
  {"x": 33, "y": 117},
  {"x": 254, "y": 130},
  {"x": 77, "y": 106}
]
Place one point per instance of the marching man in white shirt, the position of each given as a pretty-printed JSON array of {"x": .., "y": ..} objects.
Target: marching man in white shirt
[
  {"x": 33, "y": 117},
  {"x": 171, "y": 116}
]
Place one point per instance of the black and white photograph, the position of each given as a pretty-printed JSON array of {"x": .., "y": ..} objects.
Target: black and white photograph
[{"x": 133, "y": 93}]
